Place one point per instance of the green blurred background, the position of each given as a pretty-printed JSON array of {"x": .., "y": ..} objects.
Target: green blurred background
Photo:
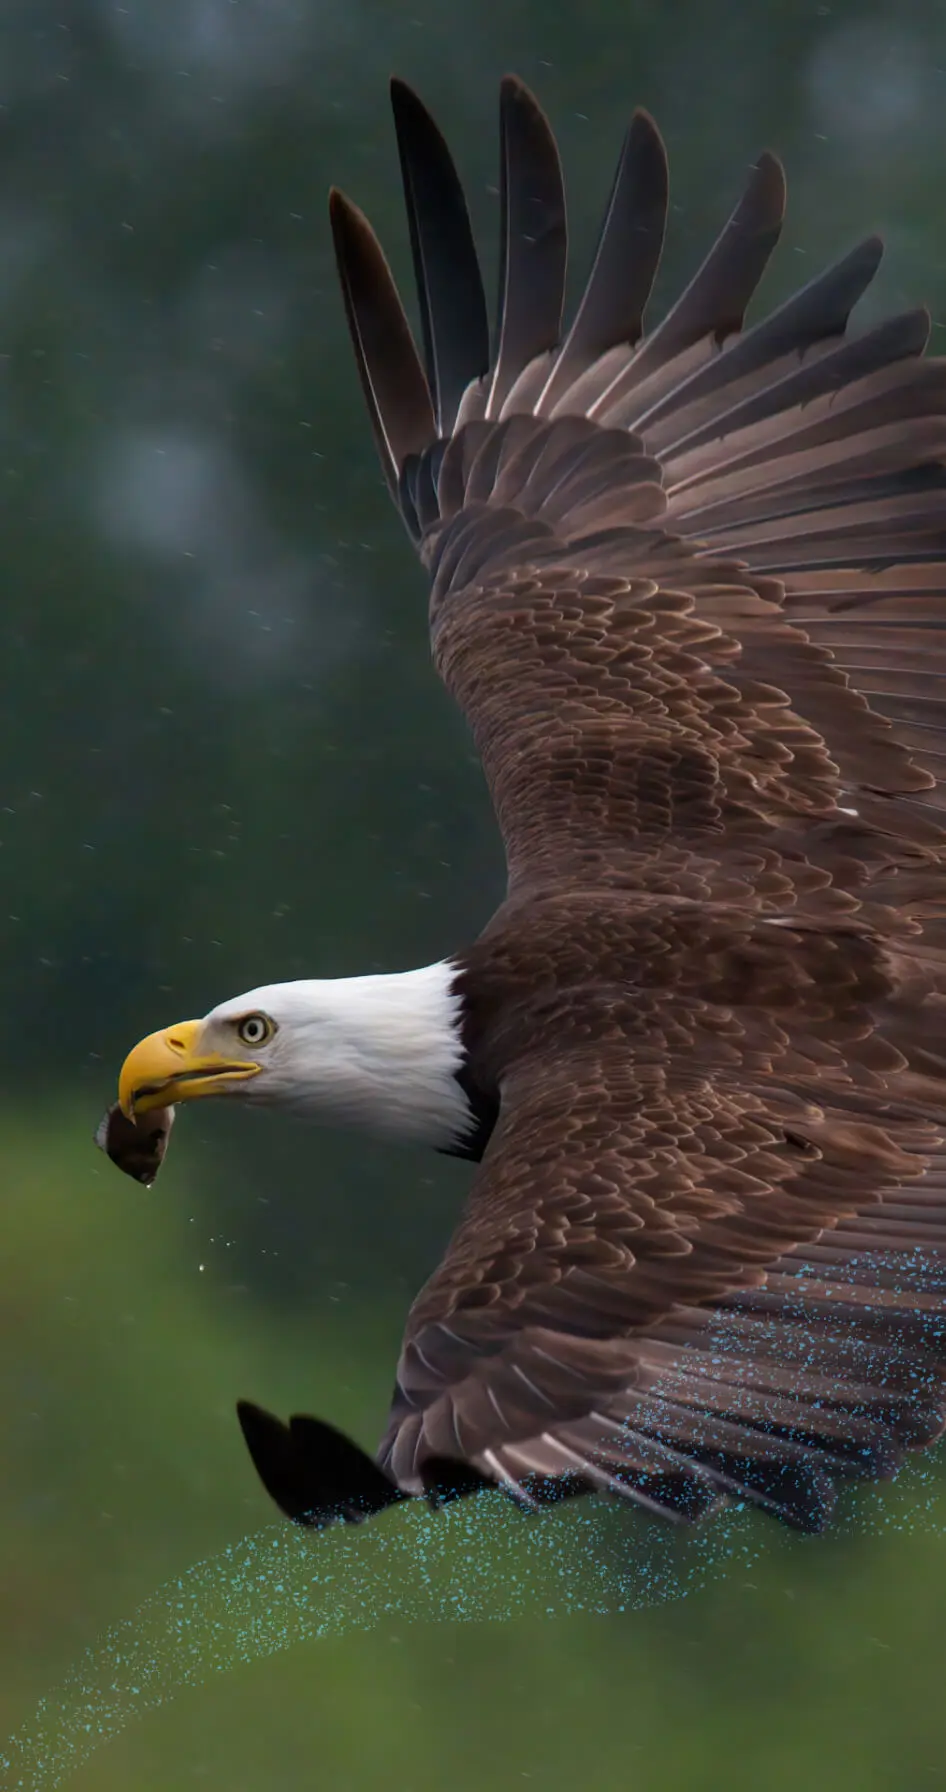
[{"x": 225, "y": 761}]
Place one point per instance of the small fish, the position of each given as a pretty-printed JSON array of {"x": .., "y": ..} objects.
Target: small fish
[{"x": 136, "y": 1146}]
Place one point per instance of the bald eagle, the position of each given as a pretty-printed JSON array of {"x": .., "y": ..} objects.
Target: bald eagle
[{"x": 688, "y": 586}]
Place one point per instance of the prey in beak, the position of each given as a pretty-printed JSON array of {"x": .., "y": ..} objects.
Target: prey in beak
[{"x": 136, "y": 1147}]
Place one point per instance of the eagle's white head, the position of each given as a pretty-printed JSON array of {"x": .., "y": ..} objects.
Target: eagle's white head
[{"x": 381, "y": 1051}]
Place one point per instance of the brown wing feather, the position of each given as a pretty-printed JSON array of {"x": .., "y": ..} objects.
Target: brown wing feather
[
  {"x": 691, "y": 1249},
  {"x": 757, "y": 465},
  {"x": 689, "y": 588}
]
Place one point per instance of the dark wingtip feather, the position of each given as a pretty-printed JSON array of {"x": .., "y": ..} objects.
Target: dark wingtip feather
[
  {"x": 449, "y": 284},
  {"x": 611, "y": 310},
  {"x": 803, "y": 1496},
  {"x": 533, "y": 238},
  {"x": 314, "y": 1473},
  {"x": 392, "y": 378},
  {"x": 513, "y": 89},
  {"x": 714, "y": 303},
  {"x": 446, "y": 1480},
  {"x": 771, "y": 170}
]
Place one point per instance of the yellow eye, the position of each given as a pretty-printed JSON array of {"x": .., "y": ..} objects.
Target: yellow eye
[{"x": 256, "y": 1029}]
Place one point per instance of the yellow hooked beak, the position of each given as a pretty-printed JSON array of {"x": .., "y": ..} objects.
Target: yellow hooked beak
[{"x": 169, "y": 1067}]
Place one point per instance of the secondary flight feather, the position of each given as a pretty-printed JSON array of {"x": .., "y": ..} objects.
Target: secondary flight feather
[{"x": 688, "y": 586}]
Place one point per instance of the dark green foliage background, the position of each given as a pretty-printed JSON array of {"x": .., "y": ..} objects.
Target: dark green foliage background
[{"x": 224, "y": 761}]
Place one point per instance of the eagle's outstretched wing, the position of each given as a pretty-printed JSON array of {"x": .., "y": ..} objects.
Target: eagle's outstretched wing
[
  {"x": 682, "y": 581},
  {"x": 670, "y": 1285},
  {"x": 689, "y": 587},
  {"x": 673, "y": 1282}
]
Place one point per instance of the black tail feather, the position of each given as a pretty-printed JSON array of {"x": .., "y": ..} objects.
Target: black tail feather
[
  {"x": 446, "y": 1480},
  {"x": 314, "y": 1473}
]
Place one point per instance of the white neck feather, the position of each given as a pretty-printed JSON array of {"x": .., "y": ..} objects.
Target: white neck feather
[{"x": 379, "y": 1051}]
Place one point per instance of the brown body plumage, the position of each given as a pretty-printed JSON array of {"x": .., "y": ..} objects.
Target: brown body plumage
[{"x": 689, "y": 589}]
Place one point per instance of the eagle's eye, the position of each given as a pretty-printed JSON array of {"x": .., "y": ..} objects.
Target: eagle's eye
[{"x": 256, "y": 1029}]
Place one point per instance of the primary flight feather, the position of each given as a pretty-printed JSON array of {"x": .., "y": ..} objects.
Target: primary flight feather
[{"x": 688, "y": 585}]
